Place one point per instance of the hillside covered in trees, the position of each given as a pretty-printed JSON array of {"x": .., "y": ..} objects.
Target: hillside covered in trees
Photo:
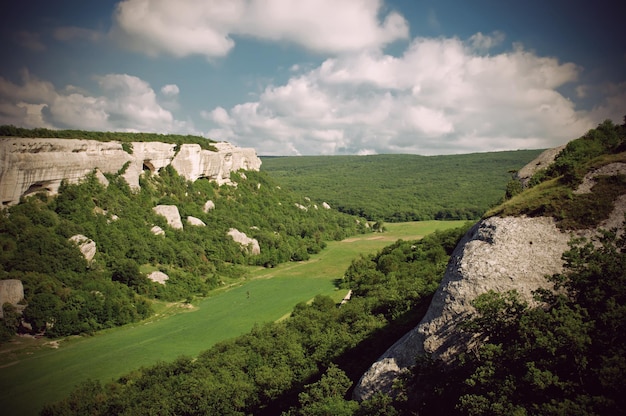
[
  {"x": 68, "y": 295},
  {"x": 396, "y": 188},
  {"x": 563, "y": 356}
]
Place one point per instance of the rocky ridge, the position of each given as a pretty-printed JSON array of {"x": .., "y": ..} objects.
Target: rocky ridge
[
  {"x": 33, "y": 165},
  {"x": 497, "y": 253}
]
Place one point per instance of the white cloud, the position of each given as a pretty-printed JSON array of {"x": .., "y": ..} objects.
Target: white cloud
[
  {"x": 199, "y": 27},
  {"x": 440, "y": 96},
  {"x": 483, "y": 43},
  {"x": 125, "y": 103},
  {"x": 170, "y": 90}
]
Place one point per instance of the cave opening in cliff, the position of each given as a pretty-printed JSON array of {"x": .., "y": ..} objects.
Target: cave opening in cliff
[
  {"x": 38, "y": 187},
  {"x": 147, "y": 165}
]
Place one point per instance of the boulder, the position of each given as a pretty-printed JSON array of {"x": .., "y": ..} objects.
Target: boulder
[
  {"x": 171, "y": 214},
  {"x": 158, "y": 277},
  {"x": 195, "y": 221},
  {"x": 11, "y": 291},
  {"x": 208, "y": 206},
  {"x": 247, "y": 243},
  {"x": 156, "y": 230},
  {"x": 86, "y": 245}
]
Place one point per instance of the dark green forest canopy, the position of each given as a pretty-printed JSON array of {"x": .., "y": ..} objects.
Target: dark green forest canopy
[
  {"x": 106, "y": 136},
  {"x": 398, "y": 188}
]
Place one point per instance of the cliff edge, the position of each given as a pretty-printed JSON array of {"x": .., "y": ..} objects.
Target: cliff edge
[{"x": 34, "y": 165}]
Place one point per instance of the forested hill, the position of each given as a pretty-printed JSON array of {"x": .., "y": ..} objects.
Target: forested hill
[
  {"x": 399, "y": 188},
  {"x": 66, "y": 294}
]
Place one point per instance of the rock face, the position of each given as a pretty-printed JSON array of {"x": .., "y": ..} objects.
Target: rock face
[
  {"x": 195, "y": 221},
  {"x": 250, "y": 244},
  {"x": 171, "y": 214},
  {"x": 158, "y": 277},
  {"x": 156, "y": 230},
  {"x": 540, "y": 162},
  {"x": 208, "y": 206},
  {"x": 86, "y": 245},
  {"x": 496, "y": 254},
  {"x": 11, "y": 291},
  {"x": 34, "y": 165}
]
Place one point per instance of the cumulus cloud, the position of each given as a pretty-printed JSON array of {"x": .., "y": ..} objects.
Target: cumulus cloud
[
  {"x": 170, "y": 90},
  {"x": 125, "y": 103},
  {"x": 441, "y": 96},
  {"x": 199, "y": 27}
]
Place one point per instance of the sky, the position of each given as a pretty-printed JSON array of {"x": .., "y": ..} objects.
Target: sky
[{"x": 319, "y": 77}]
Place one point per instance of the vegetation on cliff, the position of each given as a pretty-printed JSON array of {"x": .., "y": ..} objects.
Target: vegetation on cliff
[
  {"x": 552, "y": 190},
  {"x": 566, "y": 356},
  {"x": 124, "y": 137}
]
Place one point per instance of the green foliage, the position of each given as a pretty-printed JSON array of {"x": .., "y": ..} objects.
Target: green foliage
[
  {"x": 304, "y": 365},
  {"x": 566, "y": 356},
  {"x": 124, "y": 137},
  {"x": 35, "y": 236},
  {"x": 399, "y": 188},
  {"x": 551, "y": 190}
]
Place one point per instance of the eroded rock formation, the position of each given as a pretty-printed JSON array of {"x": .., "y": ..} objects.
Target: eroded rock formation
[
  {"x": 11, "y": 291},
  {"x": 86, "y": 245},
  {"x": 195, "y": 221},
  {"x": 158, "y": 277},
  {"x": 497, "y": 254},
  {"x": 542, "y": 161},
  {"x": 247, "y": 243},
  {"x": 34, "y": 165},
  {"x": 171, "y": 214}
]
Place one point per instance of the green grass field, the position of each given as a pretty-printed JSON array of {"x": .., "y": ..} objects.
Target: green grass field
[{"x": 35, "y": 372}]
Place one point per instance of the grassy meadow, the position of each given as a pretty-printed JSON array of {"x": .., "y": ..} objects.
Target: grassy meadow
[{"x": 35, "y": 372}]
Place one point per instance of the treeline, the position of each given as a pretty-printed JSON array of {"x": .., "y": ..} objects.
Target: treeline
[
  {"x": 124, "y": 137},
  {"x": 66, "y": 295},
  {"x": 398, "y": 188},
  {"x": 304, "y": 365}
]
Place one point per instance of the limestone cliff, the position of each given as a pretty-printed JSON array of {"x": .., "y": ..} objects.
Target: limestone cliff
[
  {"x": 500, "y": 254},
  {"x": 34, "y": 165}
]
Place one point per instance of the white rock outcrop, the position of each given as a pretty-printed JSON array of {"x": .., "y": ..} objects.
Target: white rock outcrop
[
  {"x": 542, "y": 161},
  {"x": 247, "y": 243},
  {"x": 193, "y": 163},
  {"x": 158, "y": 277},
  {"x": 86, "y": 245},
  {"x": 34, "y": 165},
  {"x": 11, "y": 291},
  {"x": 208, "y": 206},
  {"x": 156, "y": 230},
  {"x": 496, "y": 254},
  {"x": 195, "y": 221},
  {"x": 171, "y": 214}
]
